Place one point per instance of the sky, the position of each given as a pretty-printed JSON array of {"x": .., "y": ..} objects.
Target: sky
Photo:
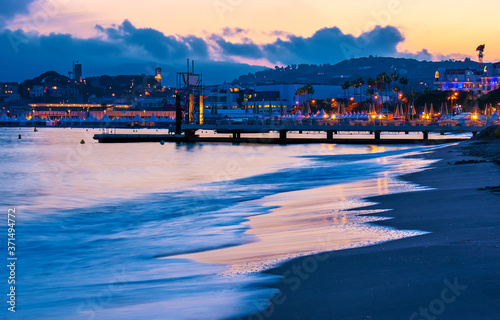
[{"x": 234, "y": 36}]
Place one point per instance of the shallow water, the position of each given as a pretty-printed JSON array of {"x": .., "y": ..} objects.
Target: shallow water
[{"x": 128, "y": 231}]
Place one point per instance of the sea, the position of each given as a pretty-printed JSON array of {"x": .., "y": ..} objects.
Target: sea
[{"x": 179, "y": 231}]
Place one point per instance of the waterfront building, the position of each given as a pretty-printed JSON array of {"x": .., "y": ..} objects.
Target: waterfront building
[
  {"x": 9, "y": 91},
  {"x": 288, "y": 96},
  {"x": 36, "y": 91},
  {"x": 458, "y": 80},
  {"x": 477, "y": 81},
  {"x": 154, "y": 103},
  {"x": 223, "y": 96},
  {"x": 228, "y": 96},
  {"x": 490, "y": 81},
  {"x": 64, "y": 110}
]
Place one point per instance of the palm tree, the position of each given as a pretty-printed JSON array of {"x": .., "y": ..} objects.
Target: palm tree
[
  {"x": 403, "y": 81},
  {"x": 301, "y": 92},
  {"x": 361, "y": 82},
  {"x": 388, "y": 81},
  {"x": 371, "y": 83},
  {"x": 304, "y": 90},
  {"x": 396, "y": 91},
  {"x": 380, "y": 82},
  {"x": 381, "y": 77},
  {"x": 346, "y": 87},
  {"x": 355, "y": 85},
  {"x": 310, "y": 89},
  {"x": 370, "y": 92},
  {"x": 395, "y": 77}
]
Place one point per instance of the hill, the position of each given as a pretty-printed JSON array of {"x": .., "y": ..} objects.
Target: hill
[{"x": 419, "y": 73}]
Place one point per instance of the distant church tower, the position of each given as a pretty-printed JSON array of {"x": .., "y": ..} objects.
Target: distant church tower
[
  {"x": 158, "y": 76},
  {"x": 77, "y": 72}
]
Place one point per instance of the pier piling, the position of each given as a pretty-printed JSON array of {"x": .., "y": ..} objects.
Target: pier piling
[
  {"x": 283, "y": 134},
  {"x": 426, "y": 135}
]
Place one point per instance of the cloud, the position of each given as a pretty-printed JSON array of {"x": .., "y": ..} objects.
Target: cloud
[
  {"x": 231, "y": 32},
  {"x": 25, "y": 55},
  {"x": 155, "y": 43},
  {"x": 123, "y": 47},
  {"x": 12, "y": 7},
  {"x": 325, "y": 46},
  {"x": 245, "y": 50},
  {"x": 424, "y": 54},
  {"x": 279, "y": 33},
  {"x": 29, "y": 54}
]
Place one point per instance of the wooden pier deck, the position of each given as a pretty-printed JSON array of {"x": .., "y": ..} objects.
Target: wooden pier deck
[{"x": 236, "y": 131}]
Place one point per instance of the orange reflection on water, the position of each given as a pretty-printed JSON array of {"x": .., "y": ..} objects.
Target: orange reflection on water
[{"x": 306, "y": 222}]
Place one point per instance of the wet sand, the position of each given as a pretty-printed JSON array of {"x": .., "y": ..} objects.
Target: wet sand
[{"x": 452, "y": 272}]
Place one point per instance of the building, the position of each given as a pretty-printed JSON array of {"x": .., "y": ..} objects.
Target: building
[
  {"x": 7, "y": 88},
  {"x": 154, "y": 103},
  {"x": 477, "y": 81},
  {"x": 287, "y": 92},
  {"x": 158, "y": 77},
  {"x": 63, "y": 110},
  {"x": 63, "y": 92},
  {"x": 77, "y": 72},
  {"x": 224, "y": 96},
  {"x": 490, "y": 80},
  {"x": 277, "y": 95},
  {"x": 458, "y": 80},
  {"x": 8, "y": 91},
  {"x": 36, "y": 92}
]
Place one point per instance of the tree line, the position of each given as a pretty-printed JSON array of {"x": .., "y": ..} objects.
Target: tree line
[{"x": 384, "y": 82}]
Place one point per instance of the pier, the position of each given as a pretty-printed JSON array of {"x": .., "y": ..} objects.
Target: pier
[{"x": 332, "y": 134}]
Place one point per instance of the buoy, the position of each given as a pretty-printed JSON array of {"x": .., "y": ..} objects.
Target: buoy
[
  {"x": 82, "y": 142},
  {"x": 19, "y": 136},
  {"x": 162, "y": 142}
]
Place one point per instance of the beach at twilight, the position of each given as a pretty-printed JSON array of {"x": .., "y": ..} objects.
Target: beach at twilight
[{"x": 243, "y": 231}]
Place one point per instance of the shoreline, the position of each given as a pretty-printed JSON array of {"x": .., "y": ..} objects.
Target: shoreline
[{"x": 406, "y": 278}]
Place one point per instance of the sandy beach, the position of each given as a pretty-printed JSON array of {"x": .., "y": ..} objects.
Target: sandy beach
[{"x": 452, "y": 272}]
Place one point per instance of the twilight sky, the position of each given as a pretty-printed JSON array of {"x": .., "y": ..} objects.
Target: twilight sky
[{"x": 130, "y": 36}]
